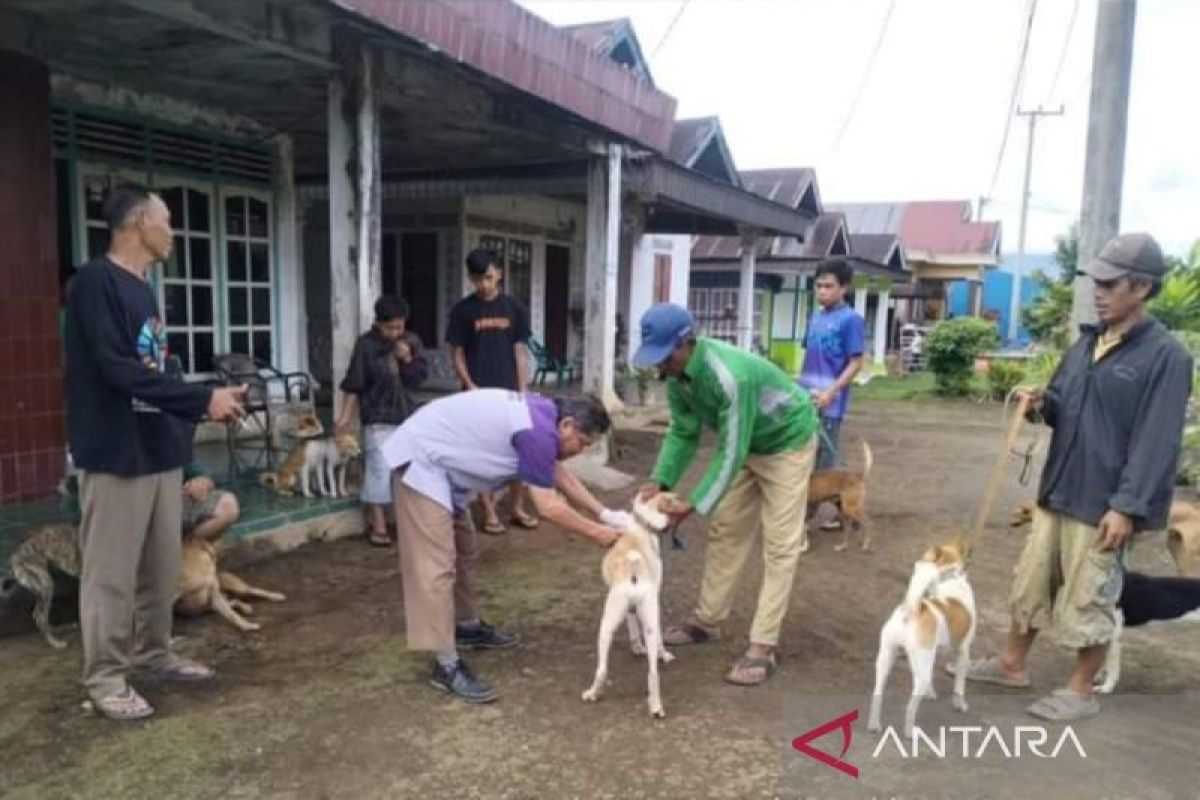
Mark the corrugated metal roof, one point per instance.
(605, 36)
(506, 42)
(786, 186)
(934, 229)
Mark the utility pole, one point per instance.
(1014, 304)
(1104, 169)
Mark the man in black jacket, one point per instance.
(129, 433)
(1117, 405)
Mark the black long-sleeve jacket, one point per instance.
(1118, 424)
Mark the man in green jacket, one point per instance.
(757, 478)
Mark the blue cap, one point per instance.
(663, 327)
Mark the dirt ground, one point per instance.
(325, 702)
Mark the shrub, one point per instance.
(1003, 377)
(951, 349)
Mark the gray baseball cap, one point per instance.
(1129, 253)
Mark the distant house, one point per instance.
(997, 292)
(942, 245)
(783, 269)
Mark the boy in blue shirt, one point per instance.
(833, 354)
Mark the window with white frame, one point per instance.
(187, 289)
(248, 277)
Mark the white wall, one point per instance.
(641, 287)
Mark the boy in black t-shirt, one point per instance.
(488, 332)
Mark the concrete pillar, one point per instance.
(881, 324)
(355, 197)
(289, 303)
(861, 290)
(600, 275)
(32, 439)
(745, 329)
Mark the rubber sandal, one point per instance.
(767, 665)
(181, 670)
(524, 521)
(494, 529)
(1064, 705)
(987, 670)
(379, 539)
(688, 633)
(124, 707)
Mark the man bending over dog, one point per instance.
(476, 442)
(758, 476)
(1116, 405)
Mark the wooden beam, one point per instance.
(186, 12)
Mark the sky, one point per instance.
(932, 106)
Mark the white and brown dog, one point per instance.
(938, 613)
(632, 570)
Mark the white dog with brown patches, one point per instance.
(633, 571)
(938, 613)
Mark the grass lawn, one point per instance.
(917, 386)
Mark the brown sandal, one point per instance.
(689, 633)
(746, 663)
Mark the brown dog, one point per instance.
(1183, 538)
(201, 586)
(846, 489)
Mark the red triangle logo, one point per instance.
(844, 723)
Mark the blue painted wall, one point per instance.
(997, 291)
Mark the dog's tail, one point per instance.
(868, 459)
(918, 586)
(637, 567)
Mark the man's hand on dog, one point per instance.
(621, 520)
(677, 509)
(198, 488)
(1114, 529)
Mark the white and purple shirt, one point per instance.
(476, 441)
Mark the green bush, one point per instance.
(1003, 377)
(951, 349)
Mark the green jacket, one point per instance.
(754, 407)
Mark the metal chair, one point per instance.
(269, 391)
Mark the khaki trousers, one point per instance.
(130, 545)
(770, 496)
(437, 558)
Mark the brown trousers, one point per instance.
(437, 557)
(130, 545)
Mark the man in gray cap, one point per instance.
(1116, 404)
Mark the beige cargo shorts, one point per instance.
(1064, 579)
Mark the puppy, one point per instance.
(938, 613)
(1183, 538)
(200, 584)
(326, 458)
(1147, 600)
(632, 570)
(847, 490)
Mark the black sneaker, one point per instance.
(461, 682)
(484, 637)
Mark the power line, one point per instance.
(1016, 93)
(858, 93)
(670, 28)
(1062, 56)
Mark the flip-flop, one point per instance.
(767, 665)
(524, 521)
(1064, 705)
(687, 633)
(181, 670)
(494, 528)
(988, 670)
(124, 707)
(379, 539)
